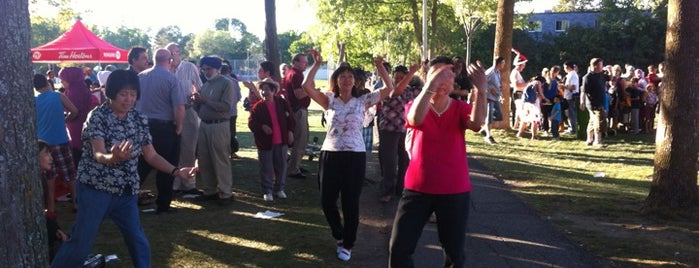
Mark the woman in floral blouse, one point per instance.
(113, 137)
(343, 158)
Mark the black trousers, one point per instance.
(341, 175)
(166, 143)
(394, 161)
(414, 209)
(235, 146)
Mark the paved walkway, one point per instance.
(502, 232)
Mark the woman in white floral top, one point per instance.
(343, 158)
(113, 137)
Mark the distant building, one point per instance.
(554, 23)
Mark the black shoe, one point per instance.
(212, 197)
(224, 201)
(193, 191)
(490, 140)
(297, 176)
(165, 211)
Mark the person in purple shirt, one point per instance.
(73, 80)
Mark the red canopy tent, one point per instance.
(78, 45)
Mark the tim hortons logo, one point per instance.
(63, 55)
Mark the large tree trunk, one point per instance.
(503, 46)
(23, 228)
(271, 39)
(675, 165)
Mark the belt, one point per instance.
(214, 121)
(160, 121)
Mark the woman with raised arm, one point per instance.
(342, 159)
(437, 178)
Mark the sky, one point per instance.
(190, 16)
(198, 16)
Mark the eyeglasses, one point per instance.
(206, 69)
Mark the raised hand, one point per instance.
(121, 151)
(477, 75)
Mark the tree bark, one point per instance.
(271, 38)
(674, 183)
(417, 26)
(23, 228)
(503, 46)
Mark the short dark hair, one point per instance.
(40, 81)
(269, 67)
(122, 79)
(134, 52)
(225, 69)
(440, 59)
(499, 59)
(401, 68)
(568, 64)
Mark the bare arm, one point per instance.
(480, 92)
(435, 79)
(387, 88)
(159, 163)
(309, 84)
(68, 105)
(179, 118)
(404, 82)
(583, 97)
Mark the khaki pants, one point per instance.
(300, 141)
(214, 167)
(188, 146)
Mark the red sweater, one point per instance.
(259, 115)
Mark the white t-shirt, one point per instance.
(571, 79)
(345, 122)
(516, 77)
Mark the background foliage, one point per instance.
(628, 31)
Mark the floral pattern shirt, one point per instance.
(345, 122)
(393, 111)
(122, 178)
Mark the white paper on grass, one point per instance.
(599, 175)
(268, 214)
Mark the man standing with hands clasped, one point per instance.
(213, 104)
(592, 98)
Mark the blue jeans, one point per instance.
(572, 114)
(414, 209)
(95, 206)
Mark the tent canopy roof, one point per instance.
(78, 45)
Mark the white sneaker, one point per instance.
(338, 244)
(281, 194)
(269, 197)
(344, 254)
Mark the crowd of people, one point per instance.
(178, 117)
(616, 102)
